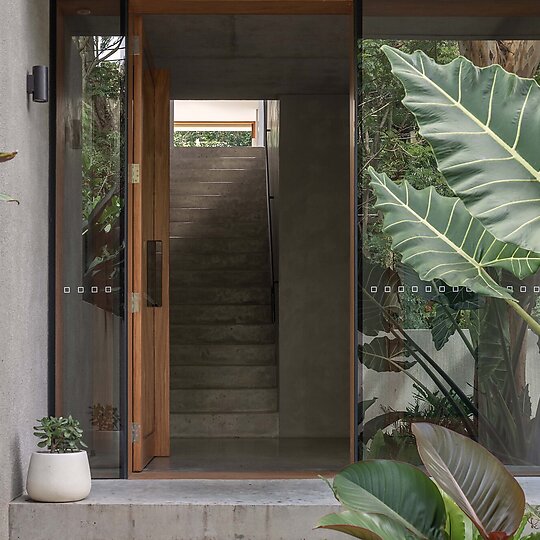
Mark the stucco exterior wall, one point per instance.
(24, 35)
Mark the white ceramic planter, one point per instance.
(58, 477)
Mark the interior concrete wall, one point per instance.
(24, 34)
(314, 266)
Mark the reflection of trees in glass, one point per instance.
(499, 412)
(103, 74)
(102, 119)
(212, 138)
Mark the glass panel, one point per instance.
(91, 244)
(433, 350)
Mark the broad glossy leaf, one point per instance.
(365, 526)
(380, 299)
(370, 428)
(443, 327)
(7, 198)
(458, 525)
(6, 156)
(484, 127)
(382, 354)
(476, 481)
(384, 488)
(441, 240)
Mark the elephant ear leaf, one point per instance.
(484, 127)
(489, 495)
(439, 239)
(365, 526)
(383, 488)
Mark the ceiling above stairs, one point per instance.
(251, 56)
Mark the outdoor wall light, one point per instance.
(37, 84)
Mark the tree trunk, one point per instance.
(519, 56)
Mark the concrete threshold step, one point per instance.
(222, 377)
(212, 355)
(182, 510)
(215, 246)
(219, 295)
(224, 400)
(218, 278)
(224, 425)
(219, 261)
(241, 314)
(222, 333)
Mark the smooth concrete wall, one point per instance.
(24, 34)
(314, 266)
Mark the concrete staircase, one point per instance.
(223, 370)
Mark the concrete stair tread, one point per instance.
(230, 245)
(252, 424)
(222, 333)
(223, 354)
(220, 278)
(226, 400)
(227, 314)
(222, 377)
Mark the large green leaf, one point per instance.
(441, 240)
(383, 354)
(6, 156)
(458, 525)
(484, 126)
(476, 481)
(365, 526)
(384, 488)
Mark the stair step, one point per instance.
(224, 425)
(217, 162)
(246, 191)
(218, 151)
(231, 314)
(219, 261)
(220, 295)
(223, 278)
(220, 215)
(181, 176)
(212, 355)
(217, 201)
(218, 377)
(224, 401)
(216, 246)
(215, 229)
(222, 333)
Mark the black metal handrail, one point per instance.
(269, 198)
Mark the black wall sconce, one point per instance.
(37, 84)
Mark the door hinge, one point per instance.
(135, 173)
(135, 432)
(135, 302)
(135, 45)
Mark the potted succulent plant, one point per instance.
(105, 420)
(60, 472)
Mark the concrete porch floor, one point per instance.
(181, 510)
(190, 510)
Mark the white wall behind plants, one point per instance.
(24, 42)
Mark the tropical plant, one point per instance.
(472, 496)
(59, 434)
(6, 156)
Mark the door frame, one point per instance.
(137, 8)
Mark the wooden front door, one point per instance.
(149, 241)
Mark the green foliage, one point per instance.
(387, 500)
(59, 434)
(212, 138)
